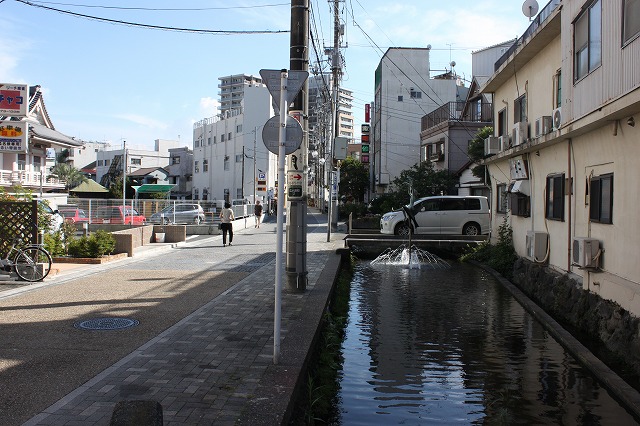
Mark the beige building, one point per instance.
(566, 101)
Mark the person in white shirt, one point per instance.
(226, 216)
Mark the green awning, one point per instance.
(153, 188)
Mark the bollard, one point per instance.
(137, 413)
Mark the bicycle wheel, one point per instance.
(32, 263)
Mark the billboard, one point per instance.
(13, 136)
(14, 99)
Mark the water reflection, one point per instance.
(453, 347)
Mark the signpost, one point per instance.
(284, 87)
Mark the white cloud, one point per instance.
(209, 106)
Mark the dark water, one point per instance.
(453, 347)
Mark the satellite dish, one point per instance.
(452, 63)
(530, 8)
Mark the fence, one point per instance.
(139, 211)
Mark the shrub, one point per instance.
(54, 244)
(358, 210)
(500, 256)
(97, 244)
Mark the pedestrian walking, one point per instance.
(258, 213)
(226, 216)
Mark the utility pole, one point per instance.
(296, 244)
(335, 111)
(124, 182)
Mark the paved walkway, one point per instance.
(203, 346)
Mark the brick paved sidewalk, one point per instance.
(215, 366)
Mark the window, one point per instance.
(22, 161)
(400, 98)
(209, 140)
(100, 163)
(226, 163)
(106, 162)
(205, 168)
(36, 163)
(195, 194)
(519, 204)
(214, 140)
(587, 41)
(601, 199)
(631, 20)
(205, 194)
(416, 95)
(229, 138)
(238, 158)
(175, 160)
(557, 83)
(136, 161)
(520, 109)
(222, 137)
(555, 197)
(501, 201)
(196, 167)
(239, 128)
(238, 192)
(502, 122)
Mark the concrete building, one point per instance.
(180, 171)
(230, 160)
(567, 98)
(109, 162)
(404, 92)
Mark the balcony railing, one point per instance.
(453, 111)
(29, 179)
(539, 19)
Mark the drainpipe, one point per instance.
(569, 221)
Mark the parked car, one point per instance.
(450, 215)
(118, 215)
(74, 215)
(179, 213)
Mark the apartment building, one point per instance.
(566, 101)
(404, 92)
(230, 160)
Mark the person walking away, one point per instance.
(258, 213)
(226, 216)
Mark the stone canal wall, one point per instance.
(602, 321)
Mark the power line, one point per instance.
(153, 9)
(153, 27)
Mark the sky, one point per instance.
(109, 81)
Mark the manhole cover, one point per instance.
(106, 323)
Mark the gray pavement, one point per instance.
(197, 333)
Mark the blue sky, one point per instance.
(112, 82)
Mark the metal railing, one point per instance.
(454, 111)
(28, 178)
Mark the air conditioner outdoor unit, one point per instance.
(492, 145)
(504, 142)
(520, 131)
(537, 244)
(557, 118)
(586, 252)
(543, 125)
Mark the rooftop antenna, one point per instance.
(530, 8)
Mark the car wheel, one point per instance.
(471, 229)
(403, 229)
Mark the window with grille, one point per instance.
(555, 197)
(601, 199)
(587, 40)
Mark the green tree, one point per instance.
(476, 152)
(69, 174)
(424, 180)
(354, 179)
(115, 188)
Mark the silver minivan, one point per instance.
(447, 214)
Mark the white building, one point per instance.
(230, 160)
(404, 92)
(109, 163)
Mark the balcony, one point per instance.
(455, 111)
(29, 179)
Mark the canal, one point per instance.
(452, 346)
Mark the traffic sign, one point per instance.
(295, 181)
(295, 80)
(271, 135)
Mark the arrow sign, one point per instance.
(297, 177)
(295, 80)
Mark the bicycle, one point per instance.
(31, 263)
